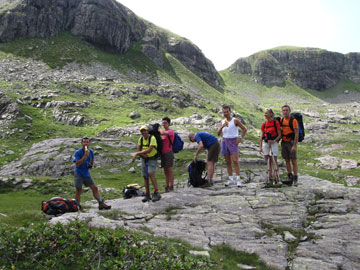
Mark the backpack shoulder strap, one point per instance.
(275, 126)
(291, 123)
(150, 136)
(281, 121)
(171, 142)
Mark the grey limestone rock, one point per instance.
(217, 215)
(105, 23)
(53, 158)
(306, 67)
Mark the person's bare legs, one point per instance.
(78, 192)
(210, 169)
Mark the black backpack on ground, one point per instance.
(154, 131)
(299, 118)
(133, 190)
(59, 205)
(196, 171)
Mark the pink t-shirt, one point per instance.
(166, 144)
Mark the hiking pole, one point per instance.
(268, 171)
(147, 184)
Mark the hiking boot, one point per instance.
(156, 196)
(228, 183)
(270, 180)
(289, 181)
(295, 181)
(81, 209)
(207, 184)
(238, 183)
(147, 198)
(276, 181)
(104, 206)
(171, 188)
(167, 189)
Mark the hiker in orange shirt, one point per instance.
(290, 137)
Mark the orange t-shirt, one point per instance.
(285, 128)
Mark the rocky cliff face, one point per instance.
(308, 68)
(104, 23)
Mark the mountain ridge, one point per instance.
(309, 68)
(106, 24)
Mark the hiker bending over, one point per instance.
(229, 128)
(84, 161)
(167, 157)
(212, 146)
(270, 136)
(146, 149)
(289, 141)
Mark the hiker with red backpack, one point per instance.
(147, 150)
(84, 161)
(167, 157)
(270, 136)
(290, 137)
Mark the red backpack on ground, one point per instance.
(59, 205)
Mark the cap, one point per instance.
(143, 127)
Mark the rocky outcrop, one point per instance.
(306, 67)
(105, 23)
(53, 157)
(9, 110)
(313, 226)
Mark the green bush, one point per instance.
(78, 246)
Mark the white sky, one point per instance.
(226, 30)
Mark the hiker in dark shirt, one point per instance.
(212, 146)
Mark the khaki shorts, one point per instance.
(213, 152)
(167, 160)
(286, 150)
(274, 149)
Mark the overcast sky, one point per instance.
(229, 29)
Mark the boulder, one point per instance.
(348, 164)
(134, 115)
(328, 162)
(352, 180)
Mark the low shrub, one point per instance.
(78, 246)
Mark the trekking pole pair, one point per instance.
(272, 168)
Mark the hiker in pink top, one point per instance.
(167, 155)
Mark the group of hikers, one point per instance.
(273, 130)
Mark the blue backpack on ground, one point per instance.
(178, 144)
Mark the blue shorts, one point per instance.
(79, 181)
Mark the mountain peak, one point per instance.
(105, 23)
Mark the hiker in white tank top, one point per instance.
(229, 128)
(230, 131)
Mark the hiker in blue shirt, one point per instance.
(84, 161)
(211, 144)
